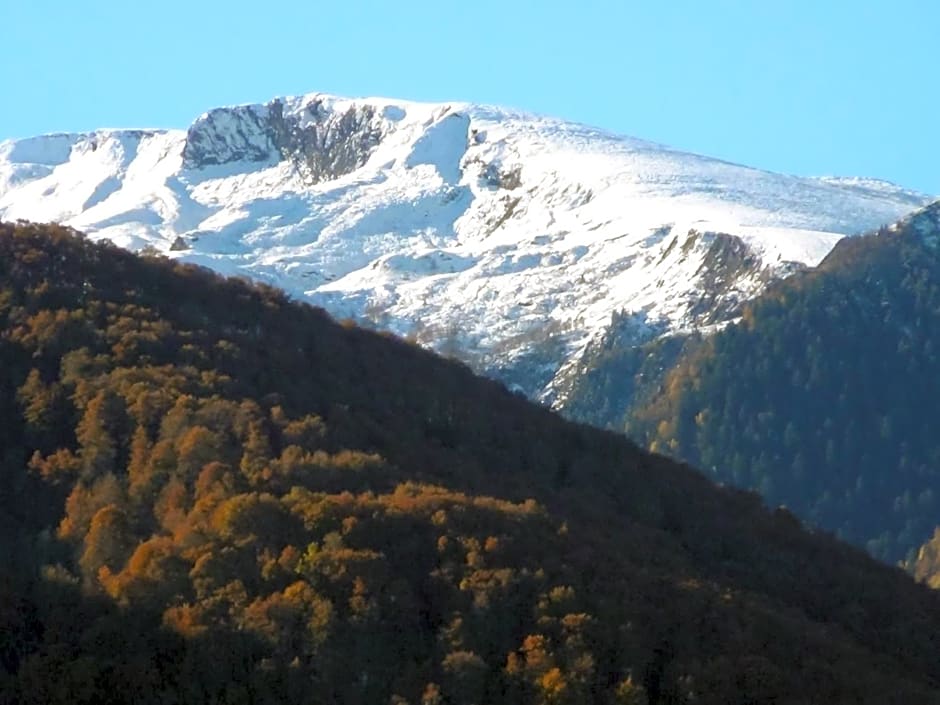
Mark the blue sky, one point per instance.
(823, 87)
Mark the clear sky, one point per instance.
(812, 87)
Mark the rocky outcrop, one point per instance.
(322, 143)
(730, 274)
(225, 135)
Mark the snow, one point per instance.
(510, 229)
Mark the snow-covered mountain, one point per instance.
(506, 238)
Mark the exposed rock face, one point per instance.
(321, 142)
(224, 135)
(179, 244)
(324, 144)
(729, 275)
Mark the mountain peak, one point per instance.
(507, 237)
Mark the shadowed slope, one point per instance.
(354, 517)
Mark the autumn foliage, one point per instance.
(212, 494)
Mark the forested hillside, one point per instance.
(825, 396)
(212, 494)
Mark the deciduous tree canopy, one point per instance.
(211, 494)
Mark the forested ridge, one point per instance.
(824, 396)
(212, 494)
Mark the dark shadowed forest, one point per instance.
(823, 397)
(211, 494)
